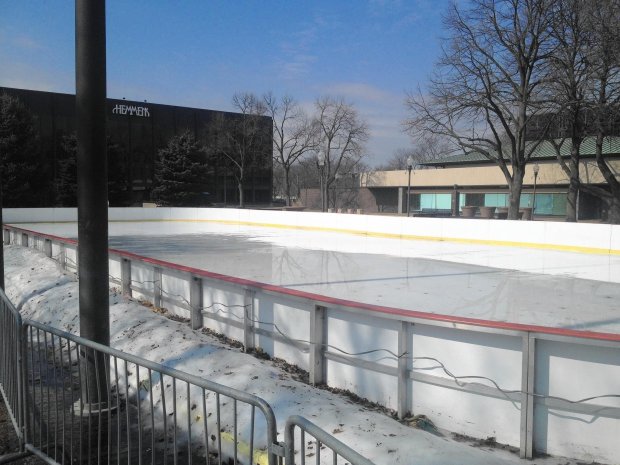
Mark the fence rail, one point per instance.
(124, 409)
(10, 361)
(324, 445)
(520, 372)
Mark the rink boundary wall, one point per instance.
(538, 367)
(572, 237)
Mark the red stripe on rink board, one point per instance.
(45, 235)
(350, 303)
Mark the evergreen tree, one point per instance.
(22, 185)
(119, 194)
(66, 174)
(180, 173)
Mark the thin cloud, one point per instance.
(25, 76)
(360, 91)
(27, 43)
(298, 54)
(295, 66)
(398, 14)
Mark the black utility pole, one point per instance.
(1, 232)
(90, 71)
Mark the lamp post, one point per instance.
(409, 168)
(536, 170)
(321, 162)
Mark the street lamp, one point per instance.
(409, 168)
(321, 162)
(536, 170)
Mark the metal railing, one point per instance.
(325, 448)
(10, 356)
(88, 403)
(73, 401)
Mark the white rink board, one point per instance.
(555, 288)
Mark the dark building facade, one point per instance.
(139, 130)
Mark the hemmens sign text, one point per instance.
(131, 110)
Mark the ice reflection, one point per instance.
(499, 283)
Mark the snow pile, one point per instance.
(42, 292)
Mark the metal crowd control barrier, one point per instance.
(141, 412)
(137, 411)
(324, 444)
(10, 355)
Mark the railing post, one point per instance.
(528, 386)
(248, 319)
(6, 236)
(24, 239)
(23, 375)
(195, 302)
(404, 336)
(318, 335)
(157, 287)
(62, 257)
(126, 277)
(47, 247)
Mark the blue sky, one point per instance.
(199, 53)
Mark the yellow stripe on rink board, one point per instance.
(260, 457)
(412, 237)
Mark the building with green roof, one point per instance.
(447, 185)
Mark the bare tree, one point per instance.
(485, 88)
(425, 149)
(346, 185)
(604, 21)
(341, 136)
(293, 136)
(398, 160)
(241, 138)
(569, 68)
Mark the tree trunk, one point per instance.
(613, 210)
(326, 195)
(241, 200)
(515, 193)
(572, 197)
(287, 185)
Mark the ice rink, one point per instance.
(500, 283)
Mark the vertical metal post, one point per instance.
(322, 190)
(536, 169)
(248, 319)
(195, 302)
(90, 73)
(126, 277)
(4, 237)
(157, 287)
(23, 344)
(62, 256)
(317, 345)
(528, 386)
(409, 191)
(404, 335)
(47, 247)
